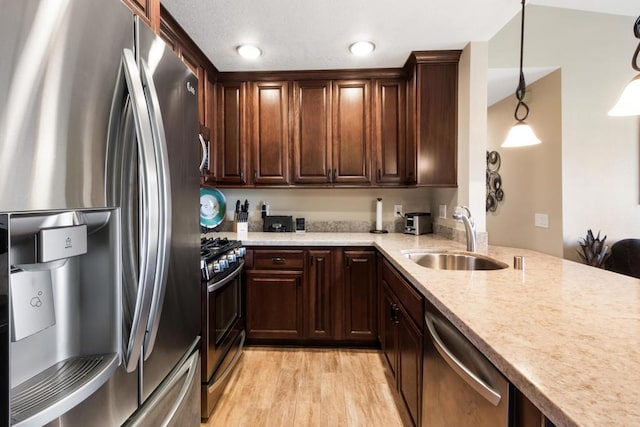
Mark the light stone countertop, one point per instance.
(566, 334)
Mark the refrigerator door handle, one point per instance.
(149, 220)
(187, 370)
(164, 211)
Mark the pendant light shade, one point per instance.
(521, 134)
(629, 102)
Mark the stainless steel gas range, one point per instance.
(223, 334)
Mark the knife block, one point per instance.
(241, 222)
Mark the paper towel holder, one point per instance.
(379, 218)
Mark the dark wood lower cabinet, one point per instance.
(360, 296)
(318, 299)
(401, 340)
(319, 296)
(274, 301)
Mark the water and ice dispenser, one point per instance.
(62, 284)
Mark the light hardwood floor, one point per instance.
(307, 387)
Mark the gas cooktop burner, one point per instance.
(219, 257)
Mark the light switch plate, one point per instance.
(397, 211)
(443, 211)
(542, 220)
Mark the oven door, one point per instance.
(223, 315)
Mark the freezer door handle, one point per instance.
(148, 213)
(459, 368)
(163, 192)
(187, 372)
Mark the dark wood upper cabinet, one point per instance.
(434, 120)
(270, 132)
(351, 132)
(389, 106)
(311, 126)
(147, 10)
(231, 133)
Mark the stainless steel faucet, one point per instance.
(460, 215)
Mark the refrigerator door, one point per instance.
(4, 317)
(59, 68)
(172, 403)
(174, 321)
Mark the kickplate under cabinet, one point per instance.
(57, 384)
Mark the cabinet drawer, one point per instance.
(408, 297)
(278, 259)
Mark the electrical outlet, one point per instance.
(443, 211)
(397, 211)
(542, 220)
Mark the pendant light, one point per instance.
(521, 133)
(629, 102)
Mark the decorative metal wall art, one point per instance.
(495, 193)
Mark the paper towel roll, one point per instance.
(379, 214)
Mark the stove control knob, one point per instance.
(232, 257)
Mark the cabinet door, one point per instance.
(436, 128)
(388, 316)
(270, 132)
(147, 10)
(390, 131)
(351, 132)
(410, 364)
(312, 132)
(230, 130)
(318, 304)
(274, 304)
(360, 296)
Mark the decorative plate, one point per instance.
(213, 207)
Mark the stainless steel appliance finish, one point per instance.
(58, 74)
(223, 332)
(417, 223)
(75, 348)
(460, 386)
(99, 115)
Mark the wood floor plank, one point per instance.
(303, 387)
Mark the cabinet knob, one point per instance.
(278, 260)
(255, 175)
(335, 174)
(329, 175)
(379, 174)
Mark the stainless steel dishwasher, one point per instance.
(460, 386)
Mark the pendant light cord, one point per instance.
(636, 32)
(522, 86)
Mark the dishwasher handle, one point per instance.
(459, 368)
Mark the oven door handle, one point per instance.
(217, 285)
(233, 362)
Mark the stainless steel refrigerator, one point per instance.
(99, 236)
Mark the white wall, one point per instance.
(600, 172)
(531, 176)
(472, 139)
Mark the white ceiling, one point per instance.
(315, 35)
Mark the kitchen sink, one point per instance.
(454, 260)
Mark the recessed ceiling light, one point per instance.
(362, 48)
(249, 51)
